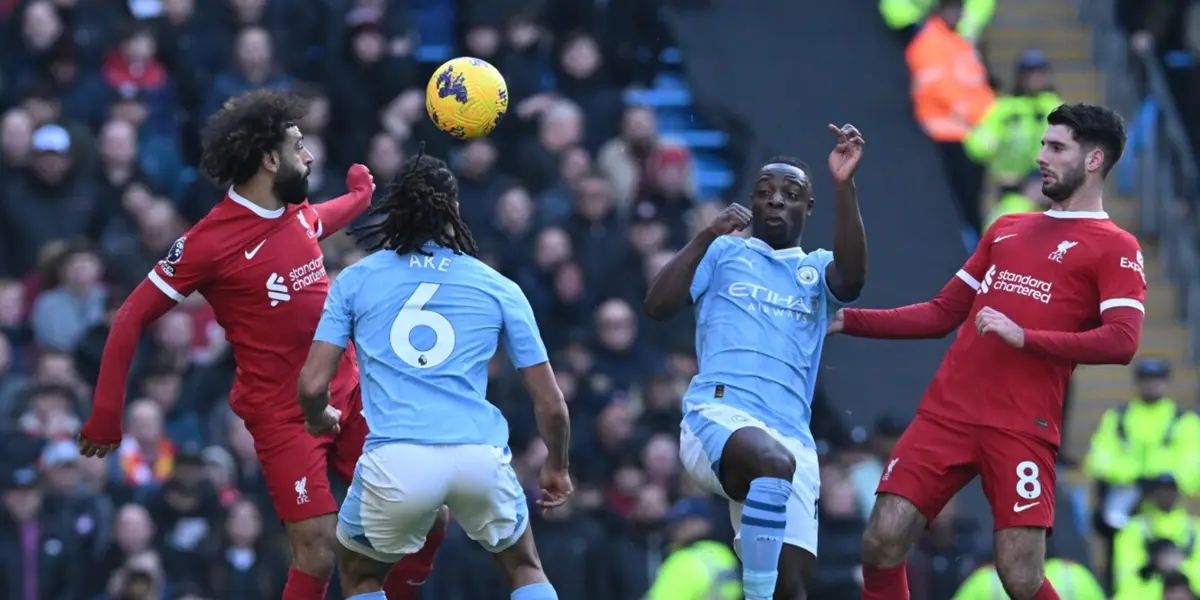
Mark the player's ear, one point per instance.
(812, 201)
(1095, 159)
(271, 161)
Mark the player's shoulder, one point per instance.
(1111, 234)
(726, 243)
(1013, 222)
(485, 272)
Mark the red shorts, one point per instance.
(296, 465)
(936, 457)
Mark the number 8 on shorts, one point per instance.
(1028, 486)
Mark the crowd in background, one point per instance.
(576, 197)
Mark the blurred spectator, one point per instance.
(905, 16)
(945, 555)
(1026, 197)
(838, 572)
(244, 567)
(40, 553)
(695, 567)
(1156, 544)
(951, 95)
(51, 201)
(1145, 437)
(866, 473)
(146, 455)
(1008, 139)
(73, 301)
(984, 583)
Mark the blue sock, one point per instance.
(369, 596)
(764, 517)
(537, 591)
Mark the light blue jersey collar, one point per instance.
(761, 246)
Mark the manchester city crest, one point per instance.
(807, 275)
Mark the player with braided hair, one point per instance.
(420, 207)
(428, 316)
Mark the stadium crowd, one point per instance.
(576, 197)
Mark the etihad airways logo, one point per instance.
(764, 300)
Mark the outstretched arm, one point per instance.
(924, 320)
(102, 431)
(180, 273)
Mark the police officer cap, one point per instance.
(1153, 367)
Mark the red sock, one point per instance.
(1046, 592)
(889, 583)
(302, 586)
(406, 578)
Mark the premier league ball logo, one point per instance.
(174, 255)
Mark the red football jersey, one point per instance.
(263, 273)
(1055, 271)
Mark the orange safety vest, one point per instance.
(950, 90)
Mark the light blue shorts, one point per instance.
(399, 488)
(708, 427)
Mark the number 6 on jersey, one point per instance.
(413, 315)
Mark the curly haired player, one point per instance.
(256, 258)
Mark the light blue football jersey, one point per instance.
(761, 317)
(425, 328)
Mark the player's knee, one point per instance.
(775, 462)
(1021, 578)
(789, 589)
(1021, 583)
(314, 547)
(882, 547)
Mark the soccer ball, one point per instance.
(466, 97)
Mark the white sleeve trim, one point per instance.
(967, 279)
(1122, 302)
(164, 287)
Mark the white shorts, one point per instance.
(706, 429)
(399, 488)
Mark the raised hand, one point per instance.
(359, 180)
(843, 161)
(735, 217)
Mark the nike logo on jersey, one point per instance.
(250, 253)
(1024, 507)
(1004, 237)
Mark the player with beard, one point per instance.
(1042, 293)
(256, 258)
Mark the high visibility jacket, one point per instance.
(950, 90)
(1012, 202)
(701, 571)
(1130, 552)
(1009, 137)
(1141, 439)
(899, 14)
(1071, 580)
